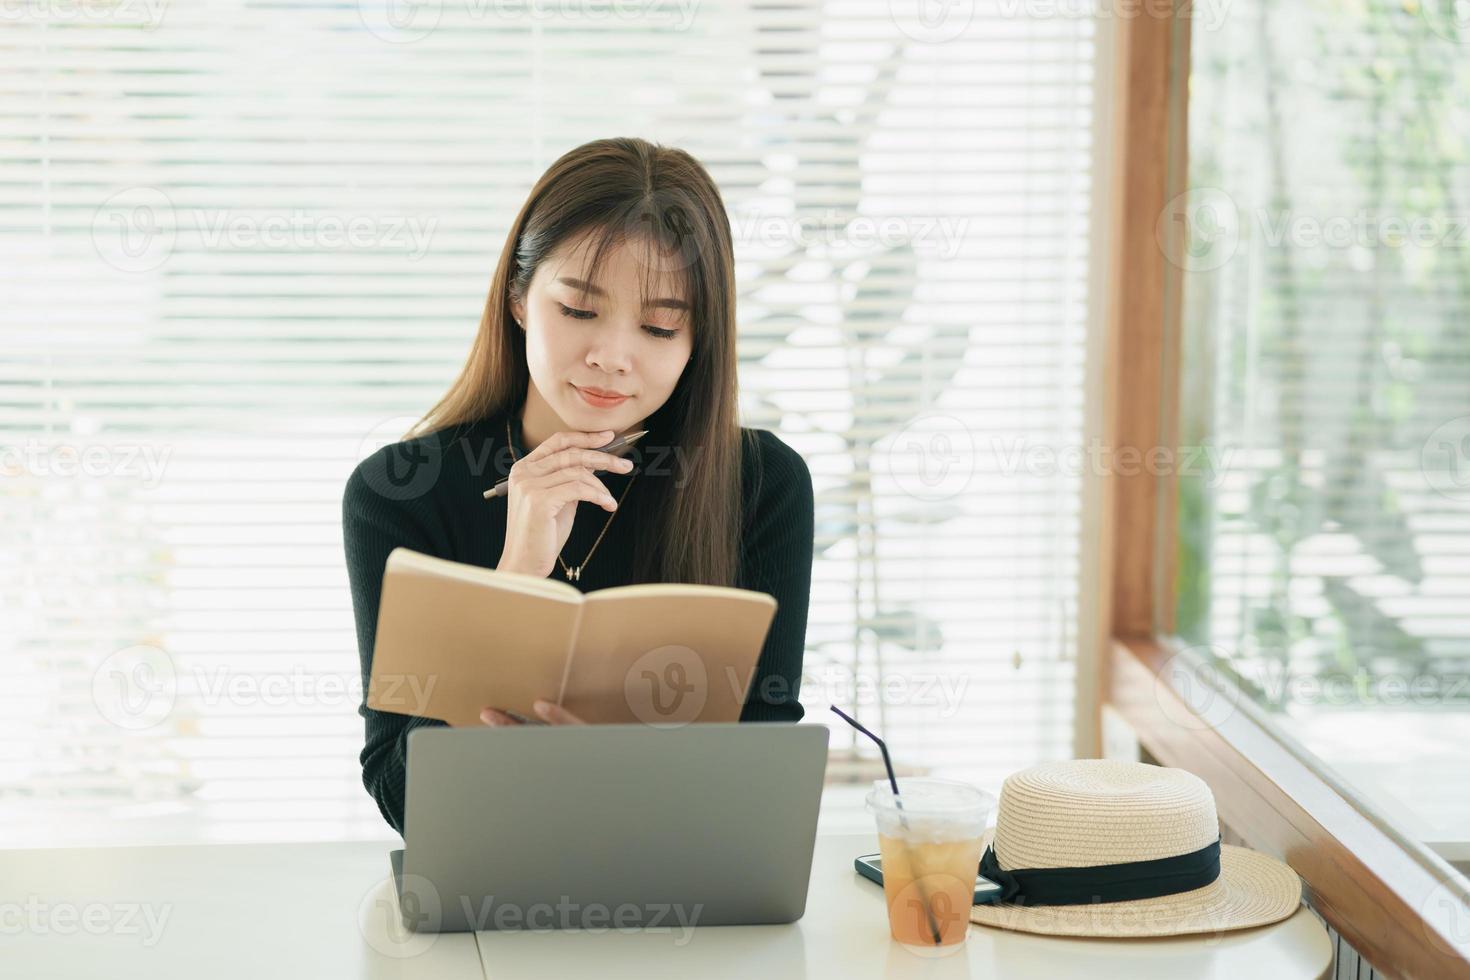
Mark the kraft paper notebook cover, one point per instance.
(454, 637)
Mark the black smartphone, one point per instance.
(870, 866)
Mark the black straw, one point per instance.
(893, 782)
(887, 763)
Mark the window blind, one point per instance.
(1326, 563)
(246, 245)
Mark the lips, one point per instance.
(602, 392)
(589, 397)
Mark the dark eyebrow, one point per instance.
(587, 287)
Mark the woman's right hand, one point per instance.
(546, 714)
(541, 501)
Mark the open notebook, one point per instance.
(454, 637)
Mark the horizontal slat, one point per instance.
(265, 369)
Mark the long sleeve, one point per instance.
(428, 496)
(777, 559)
(373, 524)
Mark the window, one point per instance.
(247, 246)
(1324, 541)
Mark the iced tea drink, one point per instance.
(929, 837)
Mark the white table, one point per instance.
(844, 934)
(219, 911)
(326, 911)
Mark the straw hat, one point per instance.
(1089, 815)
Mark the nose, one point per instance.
(610, 352)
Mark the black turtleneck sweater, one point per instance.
(426, 494)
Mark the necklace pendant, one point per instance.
(574, 574)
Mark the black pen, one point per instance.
(501, 487)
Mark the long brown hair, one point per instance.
(662, 198)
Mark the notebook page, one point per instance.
(666, 654)
(451, 640)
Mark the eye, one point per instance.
(576, 314)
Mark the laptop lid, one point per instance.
(610, 825)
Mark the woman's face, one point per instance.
(611, 338)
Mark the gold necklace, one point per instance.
(574, 574)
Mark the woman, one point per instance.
(617, 277)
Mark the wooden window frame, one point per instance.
(1398, 904)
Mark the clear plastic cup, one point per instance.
(929, 836)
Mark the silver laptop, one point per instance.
(607, 826)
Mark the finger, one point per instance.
(540, 487)
(494, 717)
(570, 440)
(581, 487)
(521, 719)
(566, 477)
(584, 459)
(555, 714)
(555, 491)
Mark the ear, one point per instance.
(518, 311)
